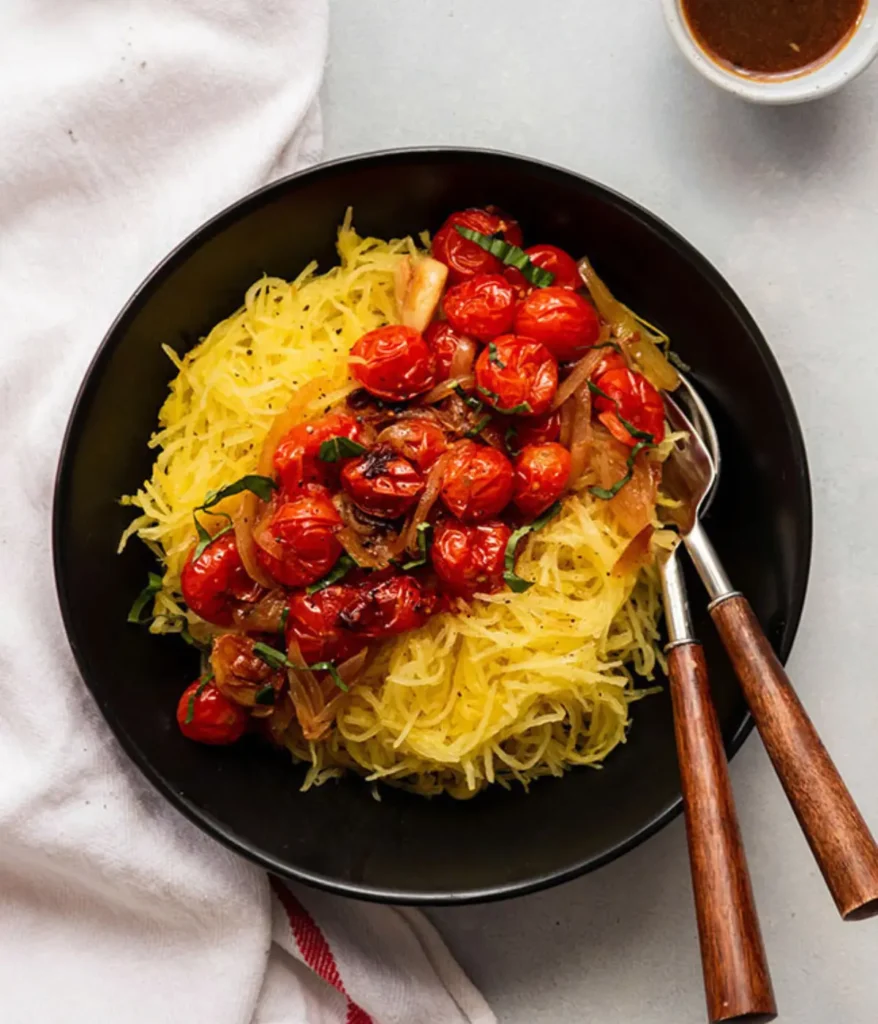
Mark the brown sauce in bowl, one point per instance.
(772, 37)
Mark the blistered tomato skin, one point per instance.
(393, 363)
(297, 457)
(631, 397)
(215, 584)
(515, 372)
(551, 258)
(444, 341)
(314, 623)
(465, 258)
(470, 558)
(482, 307)
(303, 532)
(387, 608)
(215, 719)
(559, 318)
(382, 483)
(477, 482)
(419, 440)
(541, 474)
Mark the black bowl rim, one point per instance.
(241, 206)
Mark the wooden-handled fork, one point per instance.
(841, 841)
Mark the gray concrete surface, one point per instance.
(785, 203)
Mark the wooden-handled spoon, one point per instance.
(737, 983)
(841, 841)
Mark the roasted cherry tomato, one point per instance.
(611, 360)
(382, 482)
(387, 608)
(551, 258)
(533, 430)
(470, 558)
(444, 340)
(205, 715)
(562, 320)
(481, 307)
(420, 440)
(302, 533)
(297, 457)
(465, 258)
(477, 482)
(313, 622)
(630, 397)
(515, 373)
(541, 473)
(394, 363)
(215, 584)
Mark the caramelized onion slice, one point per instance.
(637, 554)
(581, 434)
(577, 376)
(448, 387)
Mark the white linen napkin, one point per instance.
(124, 125)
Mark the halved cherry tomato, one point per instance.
(630, 397)
(418, 439)
(477, 482)
(551, 258)
(215, 584)
(481, 307)
(465, 258)
(394, 363)
(562, 320)
(382, 482)
(533, 430)
(313, 622)
(470, 558)
(303, 532)
(387, 608)
(214, 719)
(514, 372)
(444, 340)
(541, 473)
(297, 457)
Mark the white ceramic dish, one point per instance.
(852, 58)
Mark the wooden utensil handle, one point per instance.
(839, 837)
(736, 979)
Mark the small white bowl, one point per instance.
(853, 57)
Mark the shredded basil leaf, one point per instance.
(509, 254)
(272, 656)
(284, 615)
(494, 356)
(606, 493)
(261, 486)
(143, 598)
(265, 695)
(515, 582)
(510, 436)
(327, 666)
(205, 538)
(522, 407)
(190, 707)
(423, 532)
(478, 428)
(470, 400)
(595, 390)
(337, 448)
(341, 568)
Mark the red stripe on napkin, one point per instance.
(315, 949)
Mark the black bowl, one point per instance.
(406, 848)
